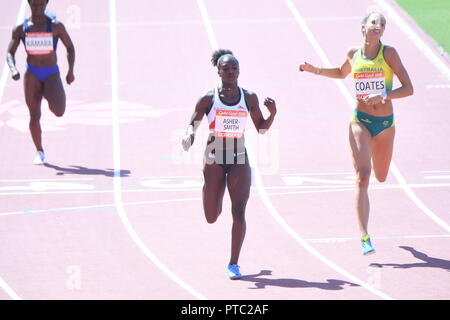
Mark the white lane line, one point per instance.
(408, 190)
(143, 24)
(303, 242)
(117, 165)
(350, 100)
(8, 290)
(437, 177)
(137, 203)
(43, 180)
(264, 197)
(208, 25)
(319, 174)
(297, 189)
(3, 80)
(438, 86)
(341, 240)
(97, 206)
(334, 18)
(412, 35)
(6, 72)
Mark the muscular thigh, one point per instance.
(54, 92)
(33, 89)
(239, 181)
(360, 144)
(214, 184)
(382, 149)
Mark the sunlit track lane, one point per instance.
(83, 253)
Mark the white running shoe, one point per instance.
(40, 158)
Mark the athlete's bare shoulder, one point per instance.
(208, 96)
(205, 102)
(251, 98)
(389, 50)
(249, 93)
(391, 56)
(58, 26)
(17, 31)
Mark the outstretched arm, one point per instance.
(12, 48)
(335, 73)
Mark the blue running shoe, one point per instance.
(367, 247)
(233, 272)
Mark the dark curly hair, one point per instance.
(217, 54)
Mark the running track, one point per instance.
(117, 214)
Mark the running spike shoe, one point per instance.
(367, 247)
(40, 158)
(233, 272)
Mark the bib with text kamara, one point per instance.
(230, 123)
(38, 43)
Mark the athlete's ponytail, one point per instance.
(217, 54)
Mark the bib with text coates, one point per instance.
(371, 76)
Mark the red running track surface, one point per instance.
(117, 212)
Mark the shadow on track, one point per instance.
(428, 262)
(86, 171)
(261, 283)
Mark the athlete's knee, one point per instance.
(58, 111)
(35, 117)
(212, 216)
(381, 177)
(238, 209)
(363, 178)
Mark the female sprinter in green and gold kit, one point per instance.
(372, 127)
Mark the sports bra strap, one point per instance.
(26, 25)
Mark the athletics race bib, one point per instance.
(369, 83)
(38, 43)
(230, 123)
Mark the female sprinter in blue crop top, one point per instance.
(40, 35)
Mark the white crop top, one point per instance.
(228, 121)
